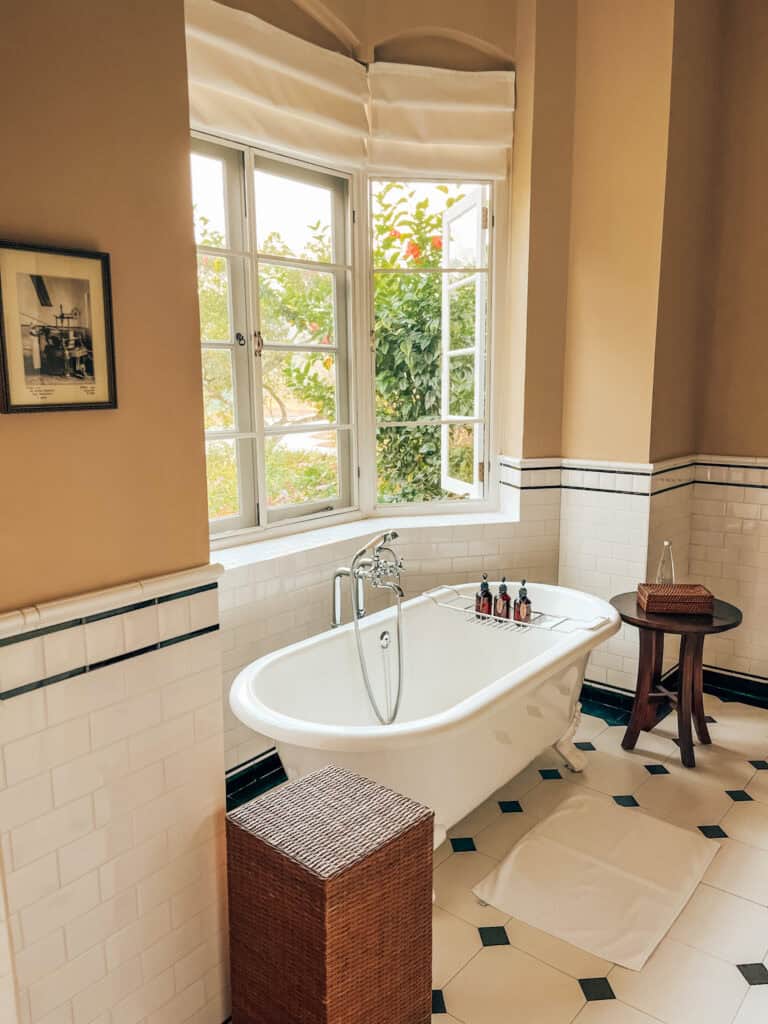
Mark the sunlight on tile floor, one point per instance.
(711, 968)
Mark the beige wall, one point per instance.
(551, 169)
(623, 67)
(734, 411)
(687, 265)
(95, 155)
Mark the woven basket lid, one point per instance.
(329, 820)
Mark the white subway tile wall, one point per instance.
(113, 907)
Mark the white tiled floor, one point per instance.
(693, 977)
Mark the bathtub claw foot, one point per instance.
(574, 758)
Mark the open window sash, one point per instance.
(463, 344)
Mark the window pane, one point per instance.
(293, 218)
(208, 200)
(213, 296)
(297, 306)
(461, 452)
(223, 488)
(462, 308)
(302, 468)
(299, 387)
(466, 230)
(408, 464)
(461, 386)
(218, 389)
(411, 222)
(407, 321)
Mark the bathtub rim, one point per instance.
(253, 712)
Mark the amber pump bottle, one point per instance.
(523, 605)
(484, 598)
(503, 602)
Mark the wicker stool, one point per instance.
(330, 904)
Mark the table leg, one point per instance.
(648, 675)
(688, 645)
(699, 716)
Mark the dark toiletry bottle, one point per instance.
(483, 598)
(523, 605)
(501, 606)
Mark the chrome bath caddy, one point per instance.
(464, 605)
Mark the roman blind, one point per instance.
(255, 83)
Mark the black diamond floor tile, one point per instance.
(550, 773)
(656, 769)
(762, 766)
(510, 806)
(626, 800)
(739, 796)
(710, 719)
(754, 974)
(584, 745)
(495, 935)
(713, 832)
(463, 844)
(596, 988)
(438, 1001)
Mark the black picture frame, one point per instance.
(95, 334)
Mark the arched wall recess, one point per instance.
(331, 22)
(437, 46)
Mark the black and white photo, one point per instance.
(56, 348)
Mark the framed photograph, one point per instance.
(56, 341)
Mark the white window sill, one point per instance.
(263, 550)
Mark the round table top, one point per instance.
(726, 616)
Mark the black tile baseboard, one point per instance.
(254, 777)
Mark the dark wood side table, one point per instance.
(651, 697)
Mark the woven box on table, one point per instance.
(675, 598)
(330, 904)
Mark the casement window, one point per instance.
(430, 244)
(274, 267)
(284, 311)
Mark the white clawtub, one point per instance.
(479, 701)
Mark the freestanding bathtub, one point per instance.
(479, 701)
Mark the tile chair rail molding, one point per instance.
(112, 801)
(55, 641)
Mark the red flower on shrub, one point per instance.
(394, 233)
(437, 242)
(313, 326)
(413, 250)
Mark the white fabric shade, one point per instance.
(258, 84)
(456, 123)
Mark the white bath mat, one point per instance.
(605, 878)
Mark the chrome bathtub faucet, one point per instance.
(382, 568)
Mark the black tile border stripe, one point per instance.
(255, 777)
(729, 686)
(57, 627)
(38, 684)
(673, 487)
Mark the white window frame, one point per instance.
(361, 356)
(256, 516)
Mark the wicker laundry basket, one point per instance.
(330, 904)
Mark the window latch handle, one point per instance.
(240, 338)
(258, 343)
